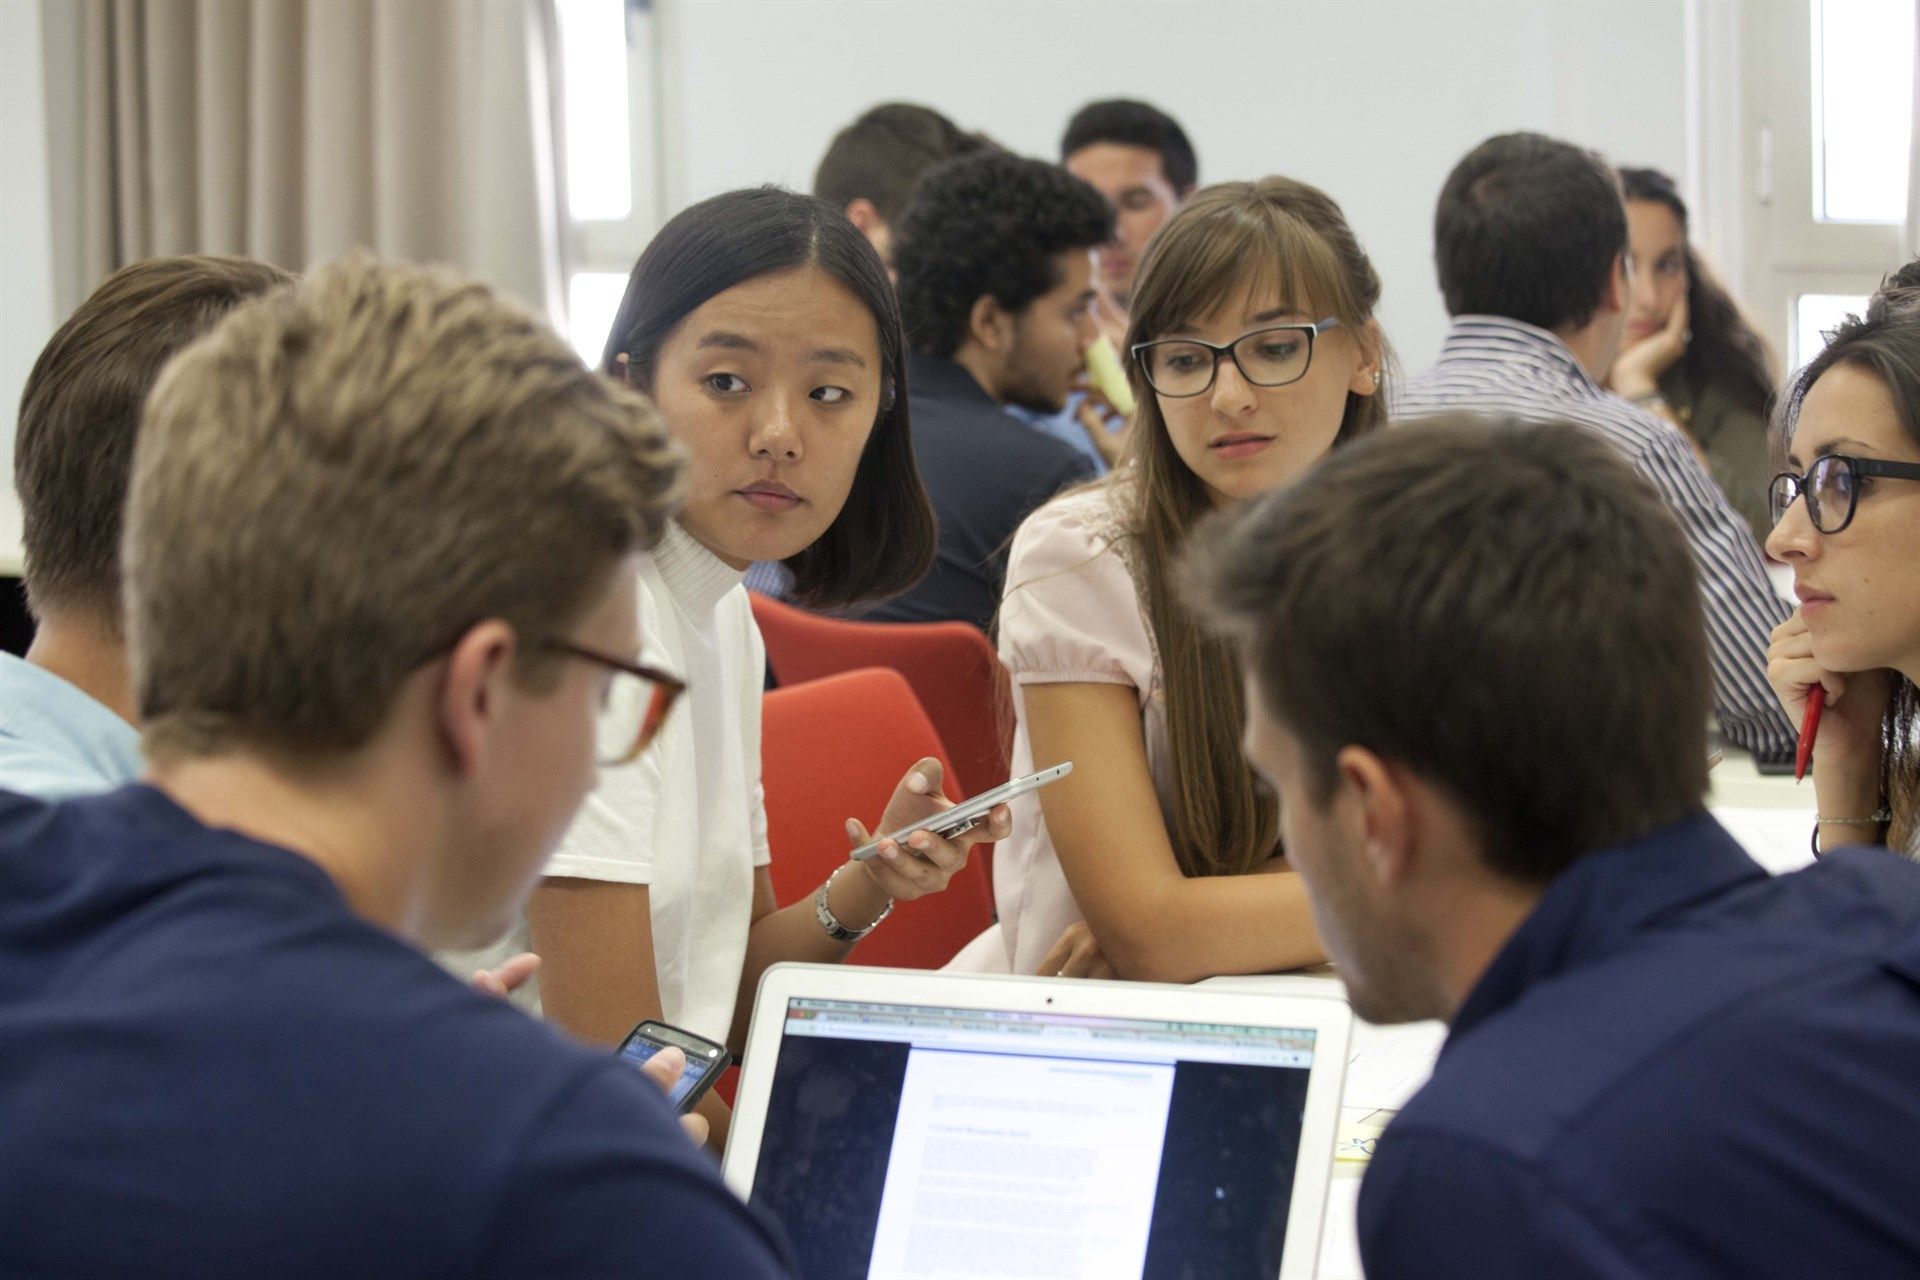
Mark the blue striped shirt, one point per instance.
(1493, 364)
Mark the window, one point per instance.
(1862, 109)
(593, 298)
(1827, 100)
(605, 64)
(593, 55)
(1814, 316)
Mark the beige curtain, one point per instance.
(297, 130)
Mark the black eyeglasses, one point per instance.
(636, 703)
(1831, 487)
(1182, 367)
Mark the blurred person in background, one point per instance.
(1688, 353)
(872, 164)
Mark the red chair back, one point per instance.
(951, 667)
(835, 749)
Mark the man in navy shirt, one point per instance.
(1478, 683)
(380, 578)
(995, 261)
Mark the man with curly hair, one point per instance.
(995, 260)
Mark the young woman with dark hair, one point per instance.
(1255, 351)
(764, 328)
(1849, 524)
(1688, 353)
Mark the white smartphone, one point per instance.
(963, 817)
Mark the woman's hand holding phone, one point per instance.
(925, 862)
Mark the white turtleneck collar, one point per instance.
(697, 578)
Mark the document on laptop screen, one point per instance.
(904, 1143)
(1064, 1153)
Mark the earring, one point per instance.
(1376, 377)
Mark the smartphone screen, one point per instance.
(967, 812)
(703, 1060)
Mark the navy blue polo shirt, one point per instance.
(985, 471)
(1678, 1066)
(210, 1067)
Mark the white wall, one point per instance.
(27, 316)
(1373, 101)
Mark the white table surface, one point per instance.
(1770, 816)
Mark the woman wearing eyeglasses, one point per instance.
(1847, 518)
(1254, 351)
(764, 328)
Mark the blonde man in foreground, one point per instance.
(380, 558)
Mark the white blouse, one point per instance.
(686, 819)
(1071, 615)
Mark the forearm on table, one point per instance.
(1152, 921)
(1188, 928)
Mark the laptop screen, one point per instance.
(912, 1141)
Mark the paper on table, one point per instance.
(1339, 1238)
(1389, 1064)
(1777, 838)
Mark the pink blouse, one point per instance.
(1071, 615)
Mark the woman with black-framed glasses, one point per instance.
(1270, 356)
(1254, 352)
(1847, 519)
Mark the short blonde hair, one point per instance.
(342, 478)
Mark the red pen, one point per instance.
(1809, 726)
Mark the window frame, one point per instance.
(1788, 252)
(611, 245)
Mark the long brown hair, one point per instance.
(1884, 342)
(1226, 237)
(1725, 349)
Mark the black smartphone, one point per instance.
(706, 1060)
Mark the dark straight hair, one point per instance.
(1528, 227)
(1724, 350)
(881, 155)
(883, 540)
(1131, 123)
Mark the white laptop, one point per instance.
(905, 1125)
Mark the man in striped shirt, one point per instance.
(1530, 240)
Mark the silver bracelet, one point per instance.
(831, 923)
(1875, 820)
(1872, 820)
